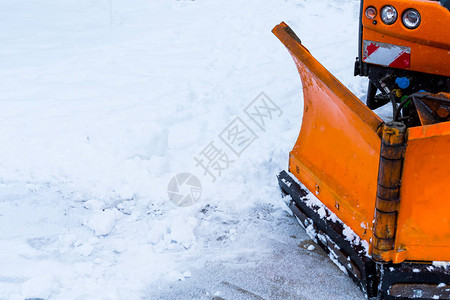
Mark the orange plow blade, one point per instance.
(383, 213)
(337, 152)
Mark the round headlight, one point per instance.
(411, 18)
(371, 12)
(388, 15)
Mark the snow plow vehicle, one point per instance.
(373, 193)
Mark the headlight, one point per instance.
(388, 15)
(371, 12)
(411, 18)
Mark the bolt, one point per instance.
(443, 112)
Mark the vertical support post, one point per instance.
(388, 191)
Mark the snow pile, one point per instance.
(103, 102)
(103, 222)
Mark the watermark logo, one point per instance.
(184, 189)
(218, 155)
(261, 110)
(238, 136)
(213, 161)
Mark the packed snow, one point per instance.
(442, 264)
(104, 102)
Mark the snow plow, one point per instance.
(373, 193)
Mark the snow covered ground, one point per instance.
(103, 102)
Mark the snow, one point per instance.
(41, 286)
(103, 102)
(333, 257)
(442, 264)
(103, 222)
(311, 248)
(288, 184)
